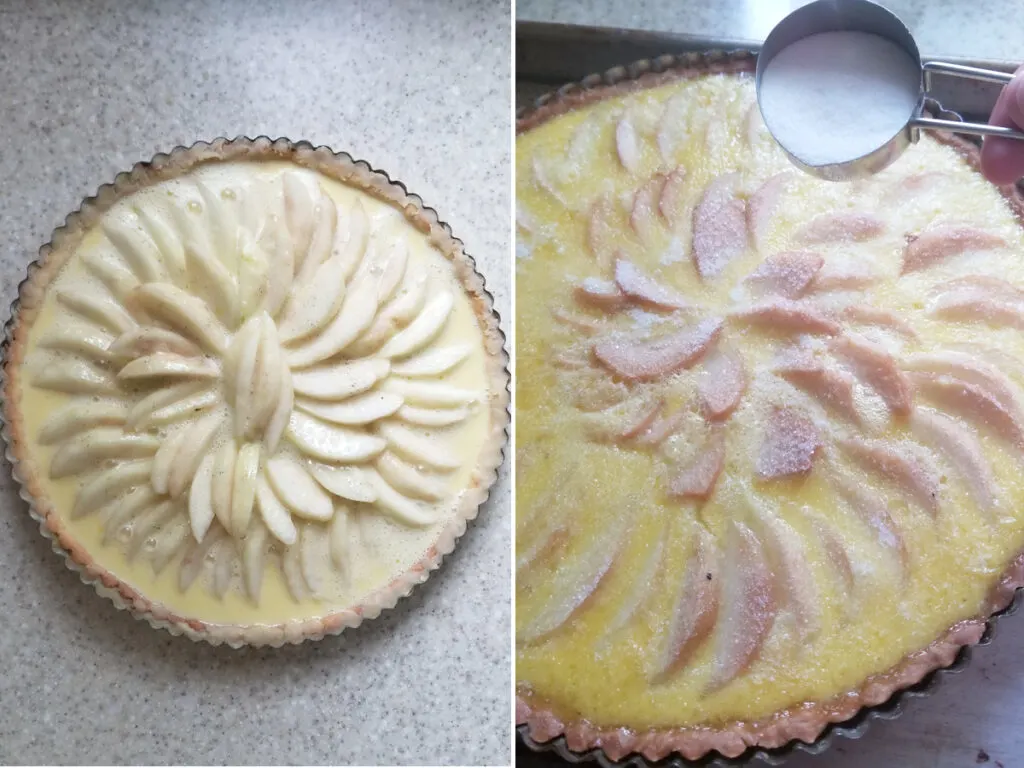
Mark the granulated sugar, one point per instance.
(837, 96)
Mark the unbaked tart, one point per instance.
(770, 429)
(254, 391)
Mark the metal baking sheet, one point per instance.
(550, 55)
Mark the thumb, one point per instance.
(1002, 160)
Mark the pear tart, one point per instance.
(254, 391)
(770, 429)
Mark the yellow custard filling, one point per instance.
(861, 397)
(341, 500)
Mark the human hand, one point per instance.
(1002, 160)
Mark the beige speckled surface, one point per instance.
(89, 88)
(974, 717)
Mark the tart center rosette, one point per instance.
(250, 371)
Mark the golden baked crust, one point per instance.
(805, 721)
(337, 166)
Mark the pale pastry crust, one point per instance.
(337, 166)
(806, 721)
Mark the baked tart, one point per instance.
(254, 391)
(770, 429)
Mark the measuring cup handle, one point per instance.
(960, 70)
(956, 126)
(971, 73)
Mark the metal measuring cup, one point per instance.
(866, 16)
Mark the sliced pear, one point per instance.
(787, 558)
(748, 607)
(421, 330)
(409, 480)
(223, 224)
(695, 607)
(352, 245)
(961, 448)
(88, 450)
(253, 266)
(340, 381)
(164, 460)
(82, 340)
(282, 412)
(280, 271)
(161, 398)
(299, 207)
(262, 204)
(310, 556)
(991, 400)
(395, 315)
(137, 249)
(187, 459)
(149, 523)
(196, 557)
(627, 144)
(170, 543)
(639, 591)
(361, 409)
(274, 513)
(321, 241)
(332, 443)
(75, 377)
(392, 270)
(125, 509)
(912, 471)
(200, 498)
(223, 474)
(232, 357)
(254, 555)
(184, 313)
(150, 339)
(577, 578)
(270, 370)
(291, 567)
(184, 408)
(417, 448)
(243, 487)
(314, 303)
(352, 483)
(119, 281)
(431, 417)
(217, 283)
(299, 492)
(166, 365)
(244, 383)
(78, 417)
(223, 567)
(432, 393)
(339, 537)
(356, 313)
(433, 362)
(172, 252)
(400, 507)
(109, 484)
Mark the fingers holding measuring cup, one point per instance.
(1002, 160)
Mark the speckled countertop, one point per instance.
(89, 88)
(974, 717)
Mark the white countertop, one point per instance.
(973, 718)
(90, 88)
